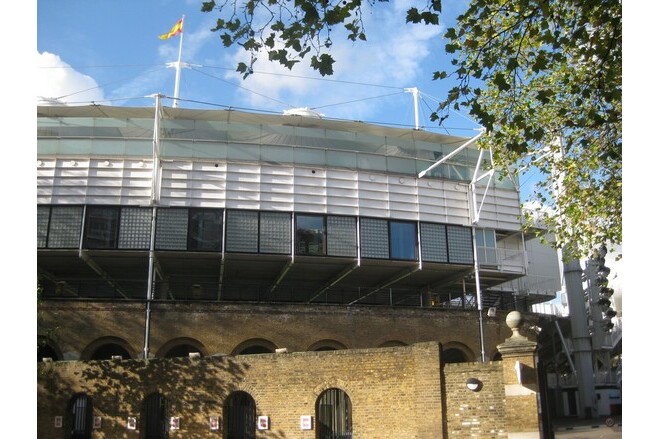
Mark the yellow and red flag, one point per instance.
(175, 30)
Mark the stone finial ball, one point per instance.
(514, 319)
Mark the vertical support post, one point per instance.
(177, 82)
(155, 198)
(521, 382)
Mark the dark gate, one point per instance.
(240, 416)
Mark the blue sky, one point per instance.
(109, 52)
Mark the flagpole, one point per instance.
(178, 67)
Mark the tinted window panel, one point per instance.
(205, 230)
(403, 240)
(102, 226)
(310, 235)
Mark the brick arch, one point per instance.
(181, 341)
(326, 345)
(91, 348)
(48, 348)
(232, 388)
(333, 384)
(254, 343)
(457, 348)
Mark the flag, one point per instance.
(175, 30)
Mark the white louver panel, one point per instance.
(500, 209)
(373, 195)
(277, 188)
(403, 200)
(342, 192)
(310, 190)
(271, 187)
(93, 181)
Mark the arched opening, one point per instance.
(454, 355)
(240, 416)
(255, 350)
(45, 350)
(154, 416)
(255, 346)
(333, 415)
(81, 416)
(182, 350)
(326, 345)
(105, 348)
(109, 350)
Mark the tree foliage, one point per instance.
(544, 78)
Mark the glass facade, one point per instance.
(400, 153)
(202, 230)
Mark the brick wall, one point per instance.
(395, 392)
(220, 328)
(472, 414)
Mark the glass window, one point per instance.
(242, 231)
(402, 238)
(135, 228)
(102, 227)
(333, 415)
(240, 416)
(275, 232)
(374, 235)
(205, 229)
(460, 247)
(172, 229)
(486, 243)
(342, 236)
(43, 215)
(65, 227)
(433, 242)
(310, 235)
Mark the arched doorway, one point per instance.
(81, 416)
(333, 415)
(240, 416)
(154, 416)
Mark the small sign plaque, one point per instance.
(306, 422)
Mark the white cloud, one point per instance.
(57, 82)
(391, 57)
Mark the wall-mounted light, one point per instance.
(474, 384)
(281, 350)
(194, 355)
(117, 357)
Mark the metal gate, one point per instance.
(240, 415)
(155, 417)
(81, 417)
(334, 415)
